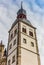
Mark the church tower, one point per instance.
(3, 57)
(22, 43)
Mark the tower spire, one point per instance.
(21, 4)
(21, 12)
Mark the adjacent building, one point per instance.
(3, 57)
(22, 43)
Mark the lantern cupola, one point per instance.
(21, 12)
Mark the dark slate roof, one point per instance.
(26, 21)
(21, 11)
(22, 20)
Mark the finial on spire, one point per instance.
(21, 4)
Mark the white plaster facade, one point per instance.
(13, 50)
(29, 54)
(28, 58)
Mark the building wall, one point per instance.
(3, 59)
(28, 58)
(29, 54)
(28, 43)
(10, 57)
(13, 46)
(14, 37)
(12, 31)
(1, 50)
(13, 50)
(28, 28)
(28, 38)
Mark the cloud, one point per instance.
(40, 3)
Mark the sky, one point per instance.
(35, 14)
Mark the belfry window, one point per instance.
(32, 44)
(24, 40)
(24, 29)
(31, 33)
(14, 42)
(9, 62)
(13, 59)
(11, 35)
(15, 32)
